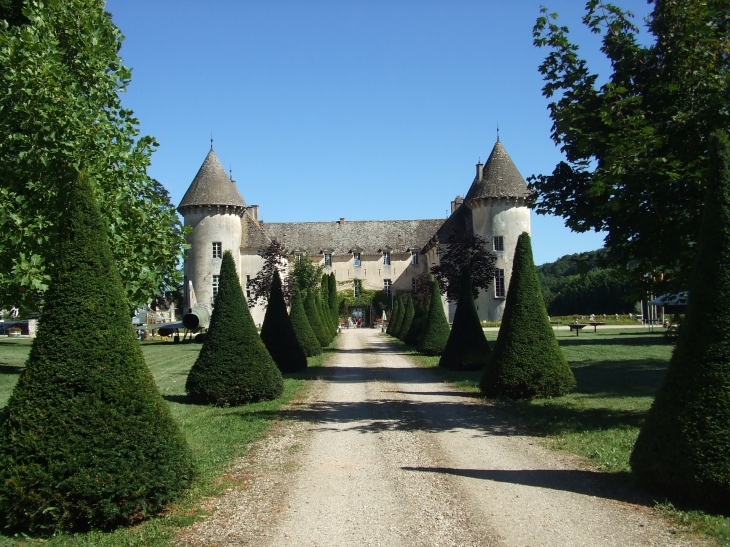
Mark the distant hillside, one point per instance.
(581, 284)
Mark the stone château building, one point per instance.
(374, 254)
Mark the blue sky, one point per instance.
(372, 109)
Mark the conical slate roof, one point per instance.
(212, 186)
(500, 179)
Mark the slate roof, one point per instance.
(253, 236)
(212, 186)
(370, 236)
(500, 179)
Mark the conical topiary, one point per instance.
(334, 300)
(526, 360)
(311, 308)
(324, 318)
(417, 325)
(278, 334)
(397, 319)
(467, 348)
(683, 448)
(436, 329)
(303, 330)
(87, 442)
(408, 314)
(324, 306)
(233, 367)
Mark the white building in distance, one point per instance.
(377, 254)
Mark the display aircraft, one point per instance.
(197, 317)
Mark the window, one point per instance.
(217, 249)
(386, 258)
(498, 243)
(298, 257)
(499, 291)
(357, 285)
(216, 285)
(414, 285)
(439, 253)
(248, 291)
(355, 259)
(328, 260)
(387, 284)
(414, 257)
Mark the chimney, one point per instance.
(480, 171)
(253, 210)
(342, 221)
(458, 200)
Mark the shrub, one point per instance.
(436, 328)
(419, 322)
(87, 442)
(234, 367)
(407, 318)
(396, 319)
(311, 307)
(324, 310)
(278, 334)
(334, 307)
(467, 347)
(303, 330)
(683, 448)
(526, 360)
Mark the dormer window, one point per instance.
(386, 258)
(414, 258)
(298, 257)
(356, 259)
(327, 259)
(217, 249)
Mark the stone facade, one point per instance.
(379, 253)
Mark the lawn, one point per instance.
(217, 437)
(618, 373)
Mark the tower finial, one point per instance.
(230, 172)
(211, 140)
(497, 132)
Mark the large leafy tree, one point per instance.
(275, 260)
(60, 107)
(635, 147)
(465, 249)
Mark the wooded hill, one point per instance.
(580, 284)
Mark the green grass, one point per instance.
(618, 373)
(217, 437)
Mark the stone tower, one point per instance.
(499, 202)
(213, 208)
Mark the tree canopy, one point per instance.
(60, 105)
(275, 260)
(465, 249)
(636, 150)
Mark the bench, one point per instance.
(577, 327)
(595, 324)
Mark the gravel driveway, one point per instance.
(384, 454)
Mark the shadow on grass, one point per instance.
(589, 483)
(620, 378)
(10, 369)
(598, 339)
(180, 399)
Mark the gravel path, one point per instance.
(383, 454)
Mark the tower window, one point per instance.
(357, 285)
(386, 258)
(499, 243)
(414, 257)
(328, 260)
(248, 291)
(499, 291)
(216, 286)
(356, 259)
(217, 249)
(387, 286)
